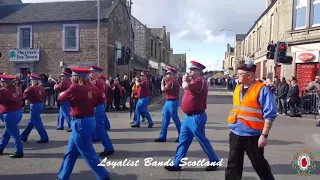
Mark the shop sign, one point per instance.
(307, 56)
(21, 55)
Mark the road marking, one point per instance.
(316, 138)
(156, 102)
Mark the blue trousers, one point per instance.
(100, 133)
(170, 110)
(106, 119)
(142, 108)
(35, 121)
(194, 126)
(80, 143)
(11, 121)
(64, 113)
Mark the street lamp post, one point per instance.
(130, 43)
(98, 32)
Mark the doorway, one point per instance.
(24, 72)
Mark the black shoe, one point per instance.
(1, 152)
(95, 140)
(211, 168)
(42, 141)
(160, 140)
(23, 140)
(59, 129)
(107, 178)
(16, 155)
(150, 126)
(135, 126)
(106, 153)
(172, 168)
(177, 140)
(69, 130)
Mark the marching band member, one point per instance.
(250, 120)
(36, 95)
(83, 125)
(97, 80)
(194, 104)
(142, 104)
(171, 87)
(11, 108)
(64, 112)
(100, 134)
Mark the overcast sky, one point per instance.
(195, 24)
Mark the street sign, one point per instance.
(18, 55)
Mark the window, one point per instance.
(271, 28)
(70, 41)
(24, 37)
(300, 14)
(151, 47)
(315, 13)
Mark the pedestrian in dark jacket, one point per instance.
(282, 91)
(293, 98)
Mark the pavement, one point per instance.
(43, 161)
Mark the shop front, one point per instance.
(307, 66)
(153, 68)
(163, 69)
(306, 59)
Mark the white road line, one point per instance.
(156, 102)
(316, 138)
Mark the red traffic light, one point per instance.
(282, 47)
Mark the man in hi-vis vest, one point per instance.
(250, 120)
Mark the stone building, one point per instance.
(238, 51)
(298, 23)
(51, 37)
(141, 46)
(229, 61)
(160, 50)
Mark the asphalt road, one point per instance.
(43, 161)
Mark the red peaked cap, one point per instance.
(34, 76)
(196, 65)
(80, 71)
(5, 77)
(96, 69)
(171, 70)
(144, 73)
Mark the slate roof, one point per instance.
(54, 11)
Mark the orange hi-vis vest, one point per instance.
(248, 111)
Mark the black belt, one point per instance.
(195, 113)
(80, 117)
(172, 99)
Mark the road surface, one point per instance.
(43, 161)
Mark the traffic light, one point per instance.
(281, 54)
(271, 50)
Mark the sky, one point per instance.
(195, 25)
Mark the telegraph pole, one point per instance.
(130, 42)
(98, 32)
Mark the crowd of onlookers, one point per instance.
(119, 89)
(290, 98)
